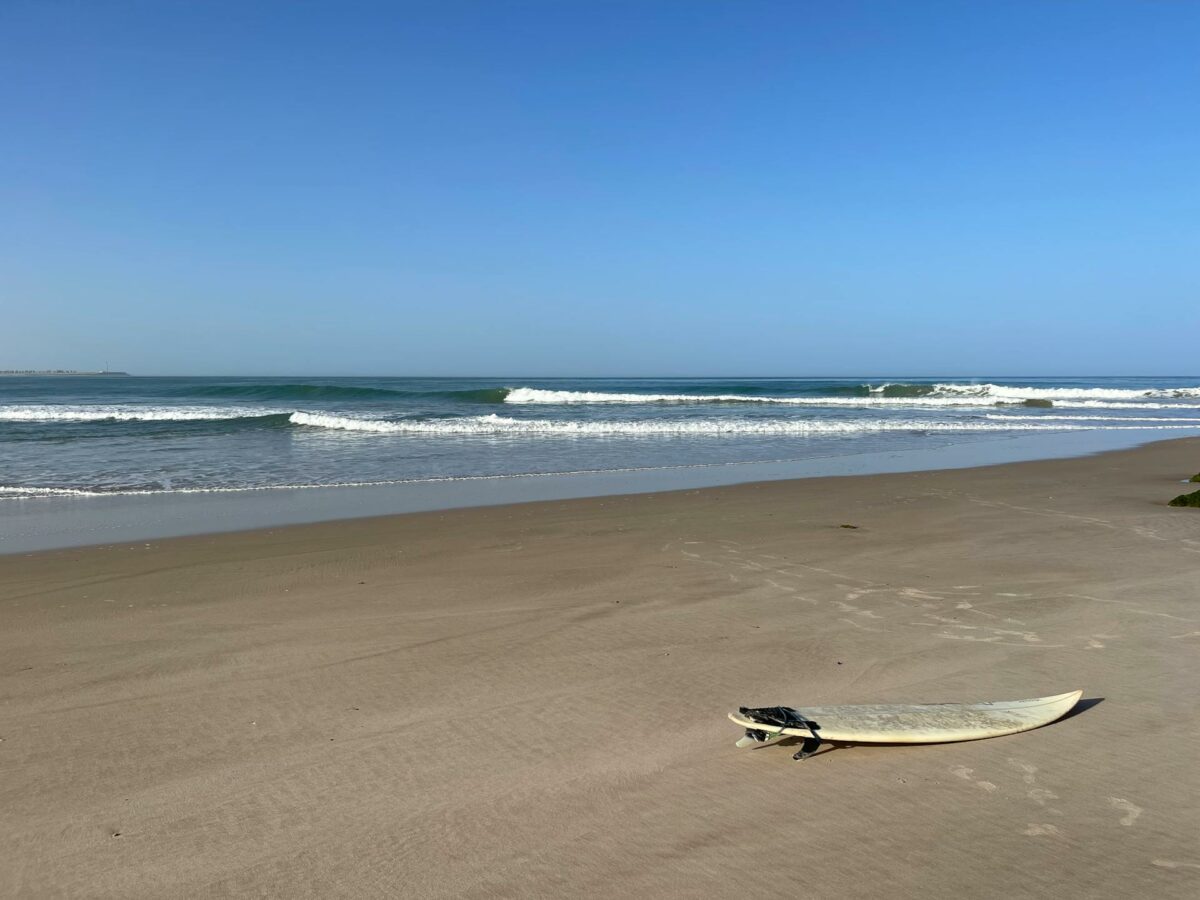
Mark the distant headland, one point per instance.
(56, 372)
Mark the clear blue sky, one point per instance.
(692, 187)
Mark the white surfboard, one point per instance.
(921, 723)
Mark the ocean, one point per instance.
(97, 436)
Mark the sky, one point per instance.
(611, 188)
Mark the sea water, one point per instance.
(96, 436)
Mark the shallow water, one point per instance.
(55, 521)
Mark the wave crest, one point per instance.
(887, 394)
(1010, 392)
(47, 413)
(494, 424)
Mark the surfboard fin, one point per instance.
(753, 736)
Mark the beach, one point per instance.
(529, 700)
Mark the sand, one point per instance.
(529, 701)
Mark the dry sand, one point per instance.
(529, 701)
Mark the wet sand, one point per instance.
(528, 701)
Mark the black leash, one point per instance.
(783, 717)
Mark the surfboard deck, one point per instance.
(917, 723)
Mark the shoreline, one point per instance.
(49, 523)
(529, 700)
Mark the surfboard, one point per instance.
(918, 723)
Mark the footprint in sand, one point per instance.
(1028, 770)
(969, 775)
(1131, 810)
(1041, 797)
(1042, 830)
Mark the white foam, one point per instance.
(28, 493)
(536, 395)
(53, 413)
(493, 424)
(1050, 416)
(1010, 392)
(1107, 404)
(963, 402)
(19, 492)
(944, 395)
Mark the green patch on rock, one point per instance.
(1192, 499)
(1195, 478)
(1039, 403)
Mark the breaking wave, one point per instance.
(502, 425)
(936, 396)
(1010, 392)
(31, 413)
